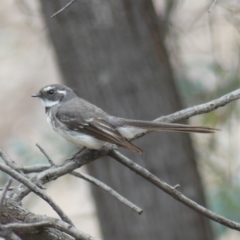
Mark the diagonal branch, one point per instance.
(198, 109)
(201, 108)
(172, 191)
(31, 186)
(4, 191)
(55, 172)
(109, 190)
(103, 186)
(63, 8)
(45, 154)
(9, 162)
(34, 169)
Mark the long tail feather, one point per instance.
(154, 126)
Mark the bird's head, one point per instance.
(53, 94)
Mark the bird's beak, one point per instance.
(36, 95)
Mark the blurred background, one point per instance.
(114, 53)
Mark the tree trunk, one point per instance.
(113, 54)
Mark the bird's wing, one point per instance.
(97, 127)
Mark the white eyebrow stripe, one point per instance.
(62, 91)
(48, 88)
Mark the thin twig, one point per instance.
(103, 186)
(108, 189)
(172, 191)
(9, 189)
(57, 171)
(46, 155)
(5, 189)
(63, 226)
(212, 6)
(34, 169)
(9, 161)
(62, 9)
(16, 175)
(201, 108)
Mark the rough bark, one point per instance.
(12, 212)
(113, 54)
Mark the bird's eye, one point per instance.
(50, 92)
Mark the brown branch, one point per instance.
(172, 191)
(62, 9)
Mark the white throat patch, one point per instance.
(47, 103)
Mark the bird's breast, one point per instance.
(76, 137)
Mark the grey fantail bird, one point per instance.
(84, 124)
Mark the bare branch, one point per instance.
(45, 154)
(13, 173)
(103, 186)
(172, 191)
(57, 171)
(88, 178)
(198, 109)
(201, 108)
(62, 9)
(6, 233)
(212, 6)
(9, 189)
(5, 189)
(36, 168)
(8, 161)
(109, 190)
(63, 226)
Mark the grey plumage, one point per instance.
(87, 125)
